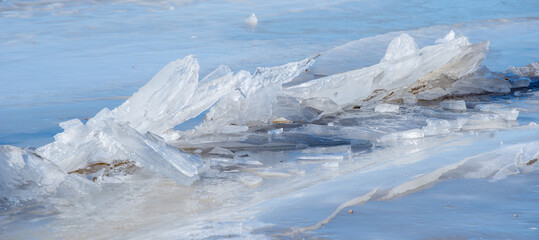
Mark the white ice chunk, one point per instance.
(387, 108)
(458, 105)
(154, 106)
(408, 134)
(256, 99)
(324, 105)
(252, 20)
(276, 131)
(504, 113)
(531, 70)
(103, 140)
(402, 65)
(401, 47)
(25, 177)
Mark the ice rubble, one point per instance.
(26, 177)
(139, 129)
(103, 140)
(403, 65)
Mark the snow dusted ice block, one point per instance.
(26, 177)
(402, 65)
(103, 140)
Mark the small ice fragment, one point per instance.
(331, 124)
(325, 105)
(250, 181)
(448, 38)
(517, 93)
(275, 131)
(520, 82)
(252, 20)
(234, 129)
(386, 108)
(409, 134)
(507, 114)
(526, 71)
(458, 105)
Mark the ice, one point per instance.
(403, 65)
(103, 140)
(503, 112)
(387, 108)
(252, 20)
(258, 99)
(458, 105)
(174, 96)
(531, 70)
(275, 131)
(26, 178)
(520, 82)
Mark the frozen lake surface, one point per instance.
(330, 120)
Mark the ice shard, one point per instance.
(26, 177)
(103, 140)
(256, 100)
(402, 65)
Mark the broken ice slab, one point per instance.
(509, 114)
(531, 70)
(402, 65)
(26, 177)
(457, 105)
(174, 96)
(256, 100)
(103, 140)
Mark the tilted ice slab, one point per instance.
(103, 140)
(26, 177)
(258, 99)
(402, 65)
(174, 95)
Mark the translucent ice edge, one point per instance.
(137, 130)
